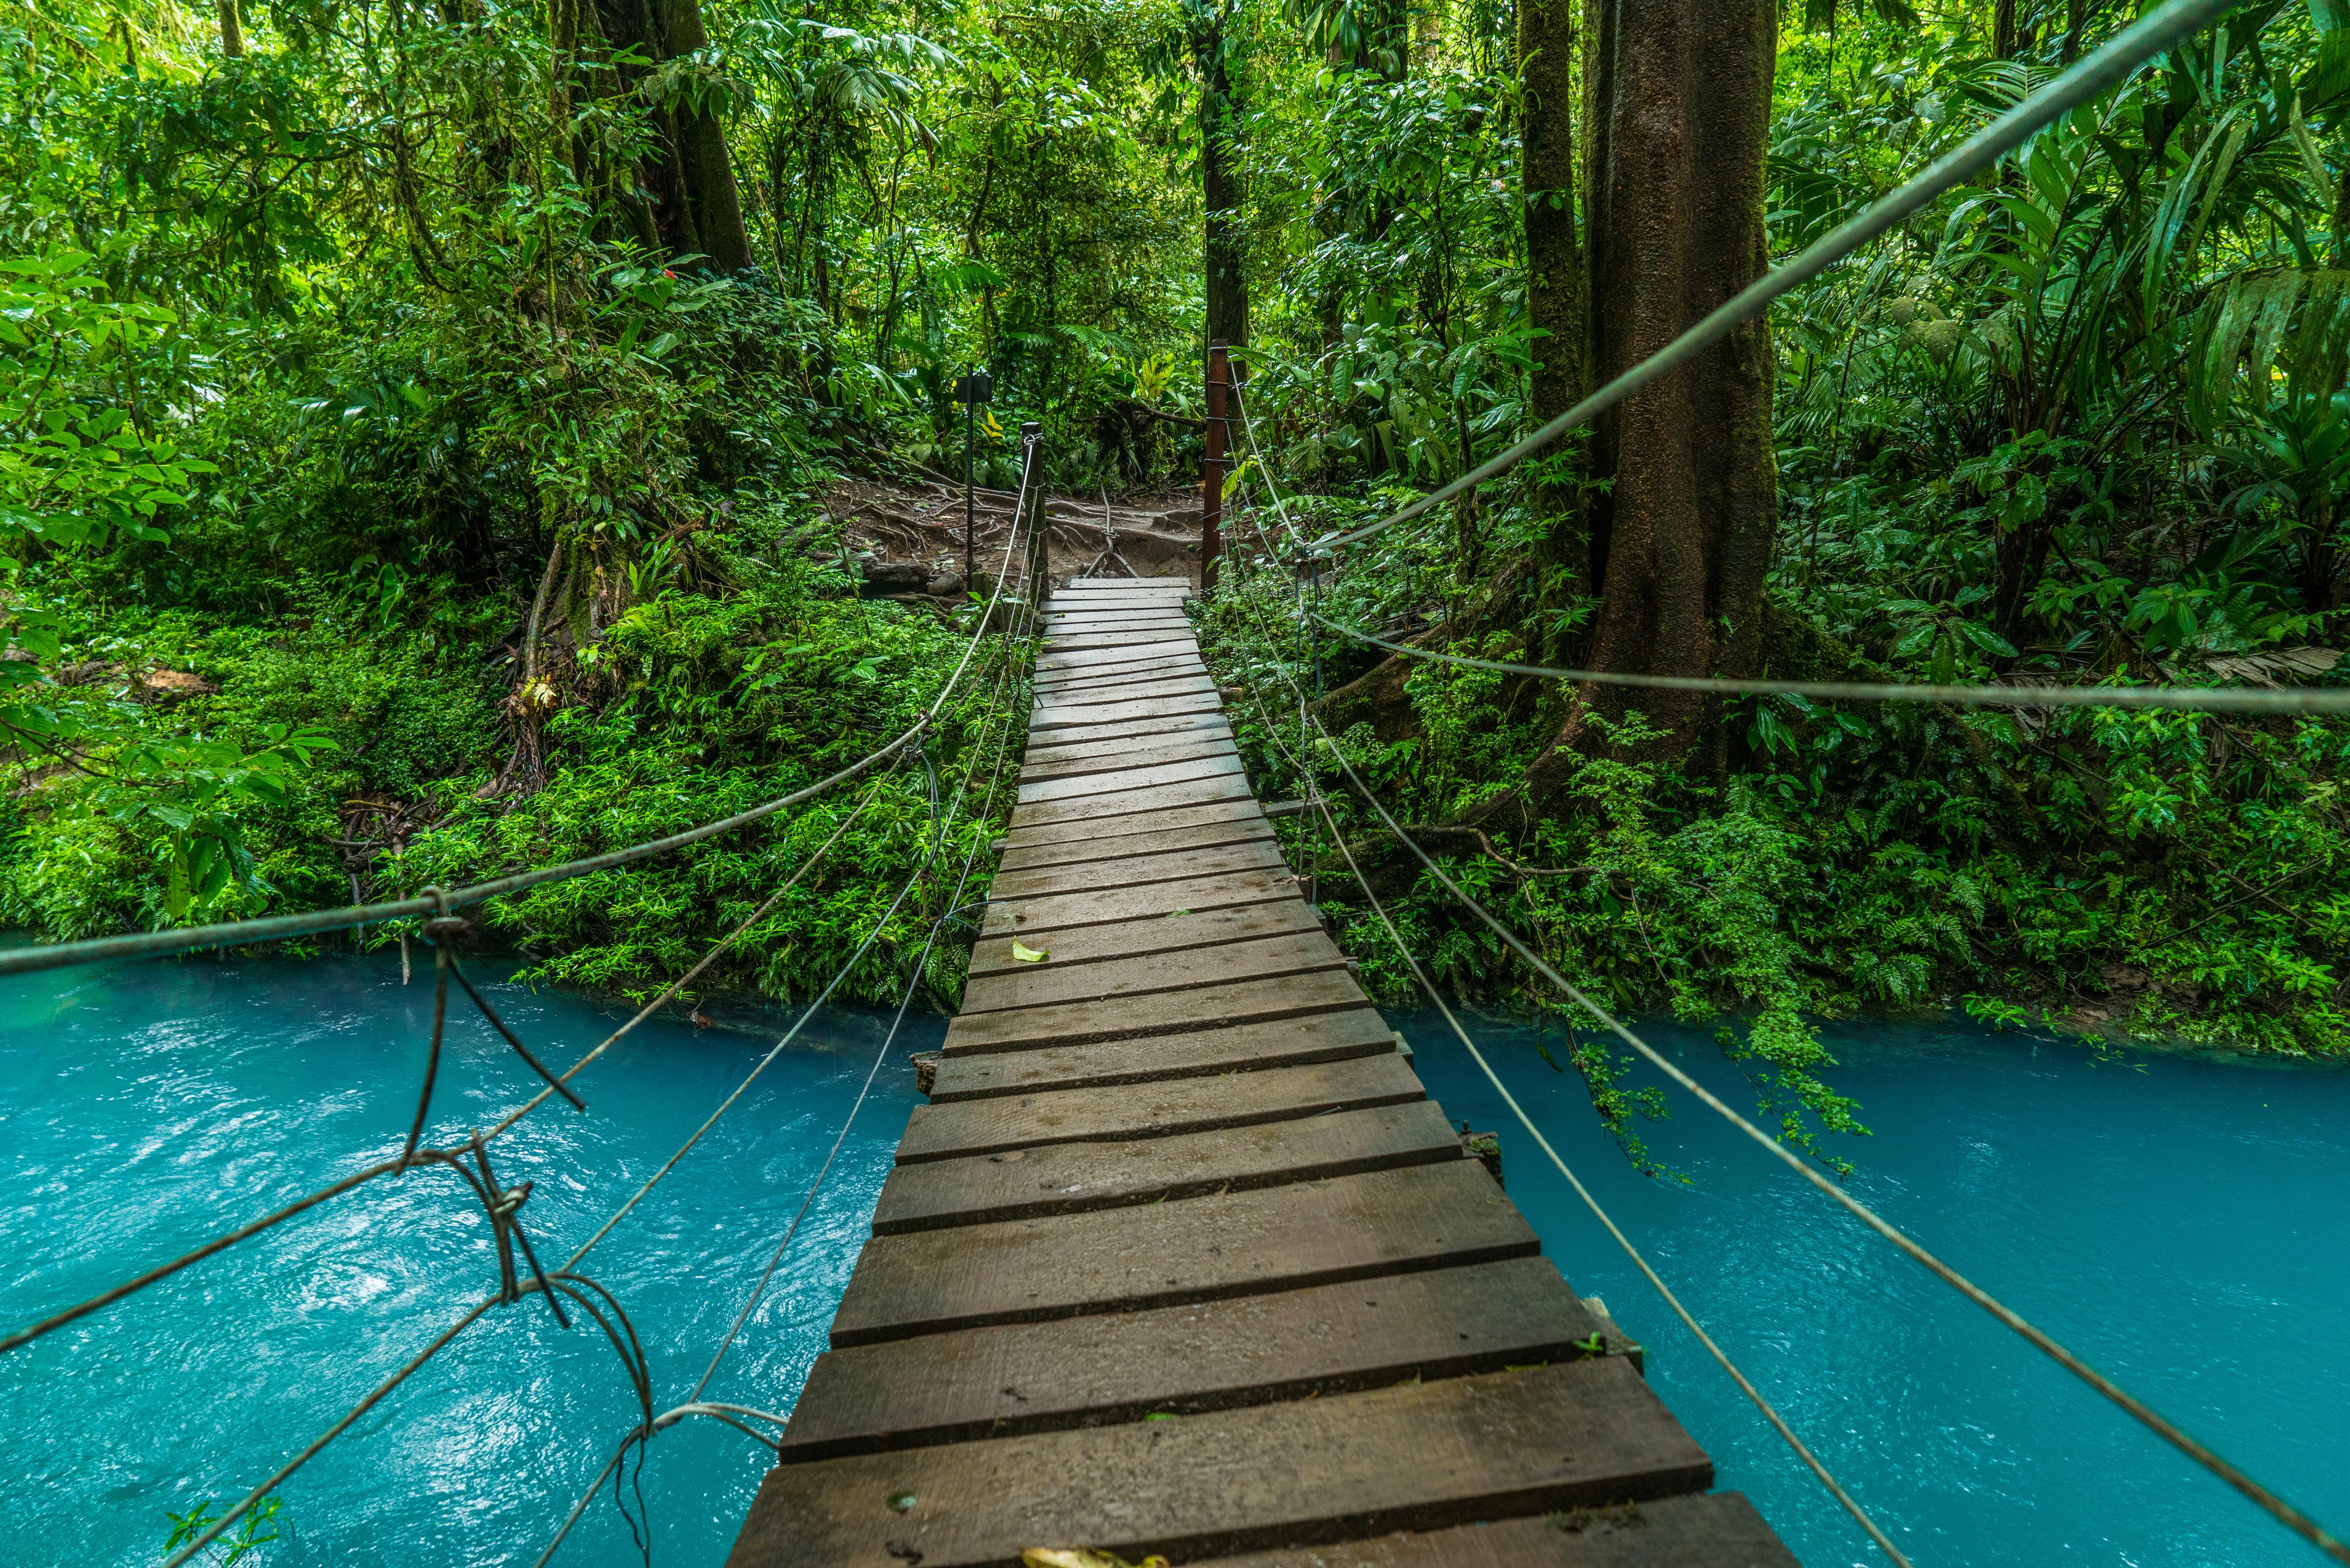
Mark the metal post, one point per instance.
(1032, 436)
(1211, 465)
(972, 390)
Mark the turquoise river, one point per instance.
(2183, 1222)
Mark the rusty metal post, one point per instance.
(1211, 465)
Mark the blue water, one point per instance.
(147, 1107)
(2180, 1222)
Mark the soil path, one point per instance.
(911, 535)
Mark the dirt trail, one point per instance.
(911, 535)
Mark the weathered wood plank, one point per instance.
(1164, 1012)
(1096, 1371)
(1124, 780)
(1191, 929)
(1076, 660)
(1119, 756)
(1200, 827)
(1120, 886)
(1095, 905)
(1715, 1529)
(1281, 1042)
(1060, 623)
(1164, 1254)
(1118, 675)
(1087, 641)
(1127, 708)
(1048, 984)
(1181, 724)
(1158, 799)
(940, 1131)
(1419, 1457)
(1060, 704)
(1083, 1177)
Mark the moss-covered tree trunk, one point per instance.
(1678, 542)
(697, 208)
(1557, 293)
(1220, 186)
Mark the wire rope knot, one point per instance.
(504, 1205)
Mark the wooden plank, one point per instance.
(1421, 1455)
(1123, 619)
(1094, 696)
(1163, 1013)
(1119, 675)
(1085, 1177)
(1050, 984)
(1122, 781)
(1132, 708)
(1158, 799)
(1097, 906)
(1164, 1254)
(1078, 659)
(1715, 1529)
(939, 1131)
(1248, 1047)
(1202, 827)
(1086, 641)
(1187, 931)
(1119, 755)
(1052, 744)
(1093, 1371)
(1175, 866)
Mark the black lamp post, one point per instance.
(969, 392)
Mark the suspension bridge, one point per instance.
(1179, 1260)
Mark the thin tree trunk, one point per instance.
(231, 32)
(1219, 184)
(1557, 294)
(697, 207)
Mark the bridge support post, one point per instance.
(1212, 463)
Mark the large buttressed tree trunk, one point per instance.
(1679, 542)
(696, 209)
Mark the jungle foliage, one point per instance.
(414, 422)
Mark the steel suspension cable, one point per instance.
(2158, 31)
(2194, 698)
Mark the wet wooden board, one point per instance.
(1164, 1254)
(1422, 1456)
(1280, 1042)
(1081, 1177)
(1119, 755)
(942, 1130)
(1127, 887)
(1128, 803)
(1170, 1013)
(1122, 780)
(1718, 1529)
(1117, 676)
(1049, 741)
(1119, 902)
(1247, 1350)
(1128, 708)
(1062, 707)
(1047, 984)
(1202, 827)
(1198, 929)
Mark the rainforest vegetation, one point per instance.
(416, 418)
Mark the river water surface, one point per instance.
(2182, 1222)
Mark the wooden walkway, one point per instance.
(1180, 1257)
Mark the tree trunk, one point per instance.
(1681, 540)
(696, 207)
(231, 32)
(1219, 184)
(2077, 19)
(1557, 298)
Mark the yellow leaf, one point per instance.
(1083, 1557)
(1026, 954)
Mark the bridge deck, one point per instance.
(1180, 1257)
